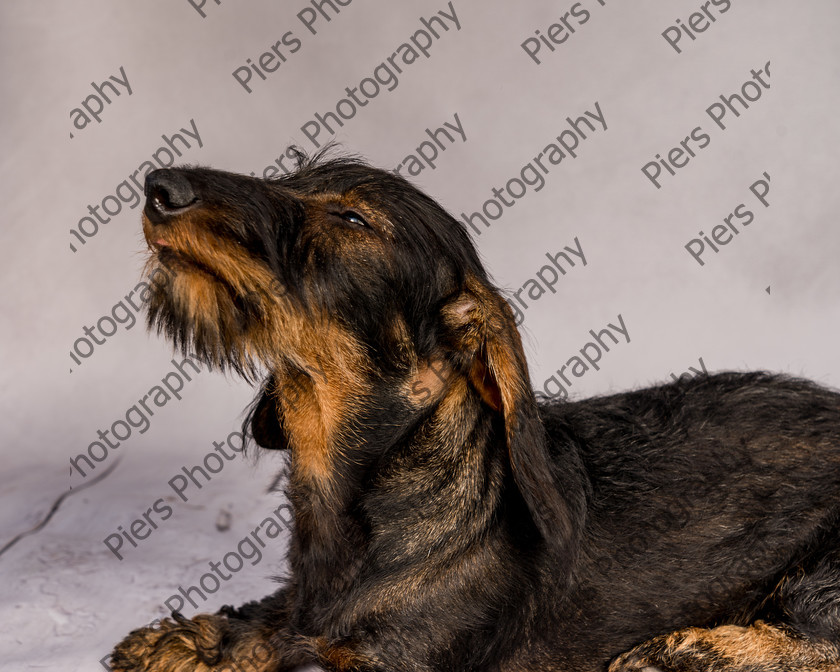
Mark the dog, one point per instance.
(445, 518)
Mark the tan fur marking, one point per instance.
(342, 657)
(759, 646)
(486, 385)
(311, 422)
(762, 644)
(485, 323)
(427, 384)
(323, 403)
(180, 647)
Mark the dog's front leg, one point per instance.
(354, 656)
(253, 638)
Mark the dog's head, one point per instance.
(363, 301)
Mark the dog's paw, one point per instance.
(178, 644)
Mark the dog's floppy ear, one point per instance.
(263, 421)
(485, 344)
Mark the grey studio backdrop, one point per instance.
(654, 183)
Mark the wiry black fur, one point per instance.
(555, 535)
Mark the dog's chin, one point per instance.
(201, 316)
(175, 262)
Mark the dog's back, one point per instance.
(706, 495)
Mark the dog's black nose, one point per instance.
(168, 192)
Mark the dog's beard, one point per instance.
(202, 314)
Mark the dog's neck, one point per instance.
(431, 464)
(325, 405)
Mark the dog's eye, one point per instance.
(353, 218)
